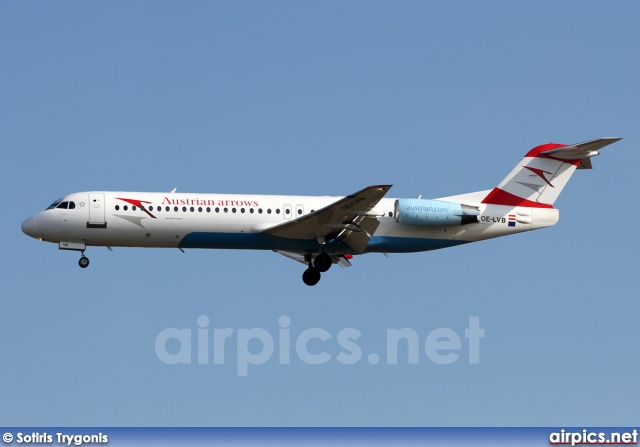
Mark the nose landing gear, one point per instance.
(84, 261)
(76, 246)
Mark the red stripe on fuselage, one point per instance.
(139, 204)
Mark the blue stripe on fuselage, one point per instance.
(263, 241)
(387, 244)
(248, 241)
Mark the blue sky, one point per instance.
(436, 98)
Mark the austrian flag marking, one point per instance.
(512, 220)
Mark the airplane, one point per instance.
(318, 231)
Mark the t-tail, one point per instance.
(539, 178)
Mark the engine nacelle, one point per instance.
(434, 213)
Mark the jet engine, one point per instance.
(434, 213)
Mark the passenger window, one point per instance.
(133, 208)
(167, 208)
(117, 207)
(251, 210)
(208, 210)
(242, 210)
(175, 208)
(125, 207)
(278, 211)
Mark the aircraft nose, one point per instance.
(30, 227)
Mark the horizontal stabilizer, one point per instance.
(581, 150)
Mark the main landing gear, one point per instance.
(321, 263)
(311, 276)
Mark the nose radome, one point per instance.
(30, 227)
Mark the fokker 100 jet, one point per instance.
(316, 231)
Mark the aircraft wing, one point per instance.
(351, 219)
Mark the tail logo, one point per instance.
(540, 173)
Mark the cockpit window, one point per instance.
(54, 204)
(72, 205)
(63, 205)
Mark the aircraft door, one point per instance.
(96, 210)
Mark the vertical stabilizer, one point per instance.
(539, 178)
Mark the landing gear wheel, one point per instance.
(323, 262)
(83, 262)
(311, 276)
